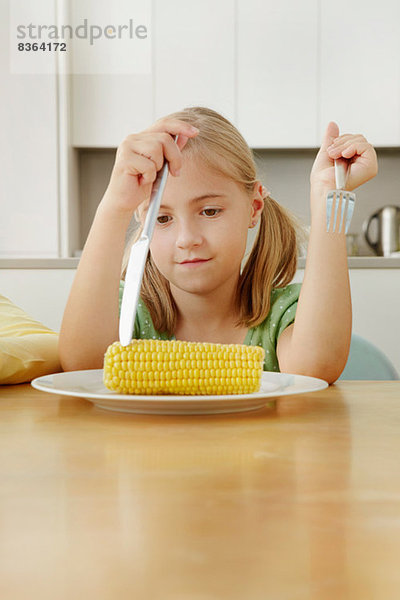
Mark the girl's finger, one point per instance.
(182, 139)
(331, 133)
(157, 144)
(171, 152)
(349, 149)
(346, 137)
(149, 150)
(345, 140)
(174, 127)
(155, 147)
(355, 149)
(139, 166)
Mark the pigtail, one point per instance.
(272, 263)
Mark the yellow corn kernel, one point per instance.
(185, 368)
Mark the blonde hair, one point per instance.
(273, 259)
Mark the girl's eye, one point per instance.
(163, 219)
(211, 212)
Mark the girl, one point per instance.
(194, 288)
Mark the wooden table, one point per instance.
(297, 501)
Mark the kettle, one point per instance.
(388, 230)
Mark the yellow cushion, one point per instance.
(28, 349)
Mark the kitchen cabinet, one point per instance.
(194, 55)
(375, 300)
(41, 292)
(111, 87)
(29, 151)
(107, 108)
(375, 296)
(234, 57)
(360, 68)
(279, 71)
(301, 65)
(277, 61)
(193, 64)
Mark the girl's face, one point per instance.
(201, 230)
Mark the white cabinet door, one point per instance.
(279, 70)
(360, 68)
(194, 55)
(277, 73)
(42, 293)
(375, 302)
(193, 64)
(28, 152)
(107, 108)
(375, 298)
(112, 82)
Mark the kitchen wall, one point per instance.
(284, 172)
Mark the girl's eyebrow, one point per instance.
(200, 198)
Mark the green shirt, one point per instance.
(281, 314)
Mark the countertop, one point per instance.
(297, 500)
(354, 262)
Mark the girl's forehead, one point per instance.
(195, 163)
(200, 173)
(185, 188)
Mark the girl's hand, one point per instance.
(139, 157)
(355, 148)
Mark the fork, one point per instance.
(339, 201)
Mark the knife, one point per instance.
(137, 260)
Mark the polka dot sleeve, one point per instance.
(283, 310)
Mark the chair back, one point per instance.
(366, 361)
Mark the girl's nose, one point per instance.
(188, 235)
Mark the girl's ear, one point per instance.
(257, 203)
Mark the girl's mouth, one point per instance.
(194, 261)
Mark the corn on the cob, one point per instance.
(178, 367)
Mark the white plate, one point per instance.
(89, 385)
